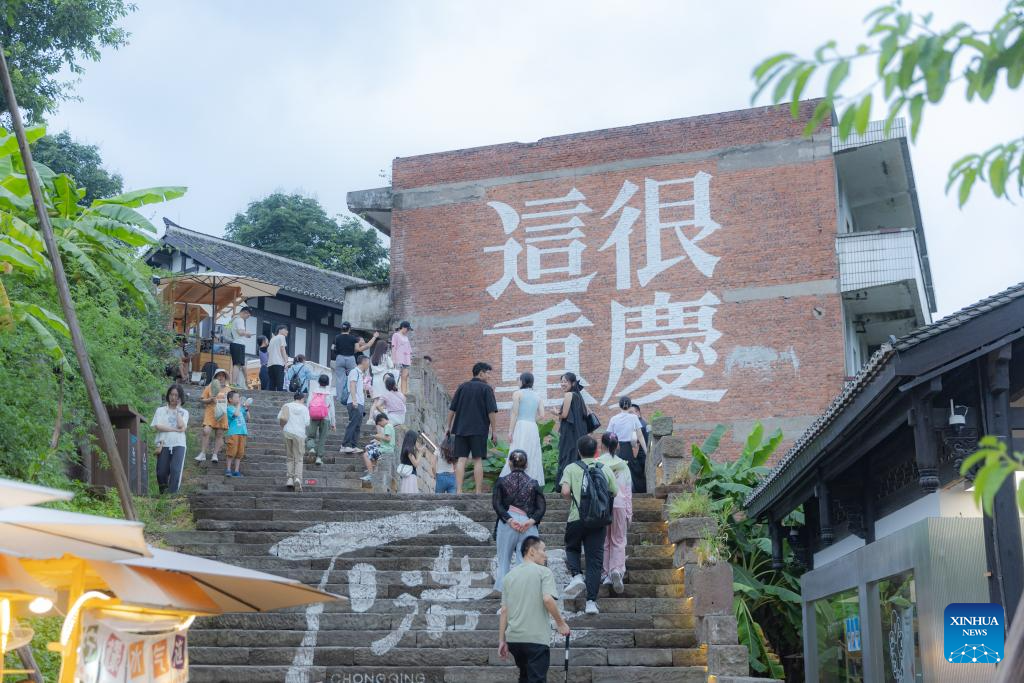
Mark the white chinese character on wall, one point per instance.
(554, 250)
(678, 205)
(668, 342)
(543, 343)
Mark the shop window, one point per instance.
(901, 649)
(838, 638)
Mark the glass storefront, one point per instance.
(840, 653)
(901, 649)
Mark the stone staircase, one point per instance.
(418, 574)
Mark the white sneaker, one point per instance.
(291, 483)
(319, 461)
(591, 608)
(606, 581)
(366, 477)
(214, 458)
(201, 457)
(347, 449)
(574, 587)
(616, 581)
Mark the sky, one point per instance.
(237, 99)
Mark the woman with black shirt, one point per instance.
(519, 503)
(573, 422)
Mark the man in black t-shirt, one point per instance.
(472, 415)
(346, 346)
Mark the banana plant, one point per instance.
(766, 600)
(100, 244)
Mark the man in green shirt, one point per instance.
(526, 601)
(577, 536)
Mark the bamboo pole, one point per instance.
(107, 439)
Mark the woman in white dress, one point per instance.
(381, 365)
(522, 432)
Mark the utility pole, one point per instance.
(66, 303)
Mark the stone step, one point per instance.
(594, 636)
(215, 673)
(335, 622)
(418, 655)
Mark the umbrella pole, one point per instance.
(67, 304)
(213, 317)
(69, 657)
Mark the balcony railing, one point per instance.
(874, 134)
(872, 259)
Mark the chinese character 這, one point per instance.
(554, 250)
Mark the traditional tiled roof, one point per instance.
(293, 277)
(871, 369)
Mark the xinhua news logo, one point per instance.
(973, 633)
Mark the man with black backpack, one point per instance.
(590, 487)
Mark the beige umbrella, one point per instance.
(42, 533)
(15, 493)
(234, 589)
(217, 289)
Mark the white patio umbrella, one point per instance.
(42, 533)
(234, 589)
(16, 493)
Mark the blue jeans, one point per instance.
(444, 482)
(509, 542)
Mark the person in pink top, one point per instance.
(401, 353)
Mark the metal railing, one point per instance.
(874, 134)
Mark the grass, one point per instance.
(710, 549)
(690, 505)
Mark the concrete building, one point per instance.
(720, 268)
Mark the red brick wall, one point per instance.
(778, 225)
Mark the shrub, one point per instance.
(690, 505)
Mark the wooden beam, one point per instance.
(824, 514)
(926, 449)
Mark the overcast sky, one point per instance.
(237, 99)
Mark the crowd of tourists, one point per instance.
(596, 474)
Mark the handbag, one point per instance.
(404, 470)
(592, 421)
(219, 411)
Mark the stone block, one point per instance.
(674, 447)
(691, 528)
(717, 629)
(684, 554)
(639, 657)
(661, 426)
(710, 587)
(728, 660)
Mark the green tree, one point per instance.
(42, 38)
(915, 63)
(297, 227)
(83, 163)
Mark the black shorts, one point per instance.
(237, 354)
(474, 446)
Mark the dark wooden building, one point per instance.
(310, 302)
(891, 534)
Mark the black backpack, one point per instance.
(595, 503)
(296, 382)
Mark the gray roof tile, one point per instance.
(293, 277)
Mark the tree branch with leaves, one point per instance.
(915, 65)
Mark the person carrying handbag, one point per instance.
(574, 421)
